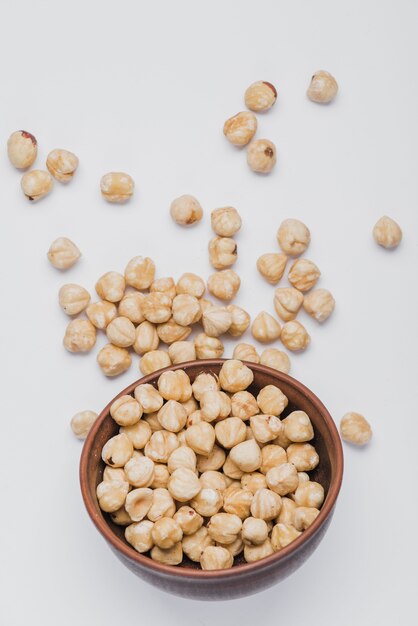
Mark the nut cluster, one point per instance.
(208, 469)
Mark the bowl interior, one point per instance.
(326, 442)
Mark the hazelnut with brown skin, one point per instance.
(22, 149)
(261, 156)
(260, 96)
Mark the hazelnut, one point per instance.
(293, 237)
(282, 535)
(131, 307)
(113, 360)
(149, 398)
(206, 381)
(164, 285)
(214, 405)
(121, 517)
(186, 210)
(172, 416)
(222, 252)
(272, 266)
(111, 287)
(182, 457)
(295, 336)
(171, 556)
(319, 304)
(153, 361)
(298, 427)
(265, 428)
(265, 328)
(139, 433)
(101, 313)
(22, 149)
(80, 336)
(231, 469)
(73, 298)
(214, 460)
(216, 321)
(126, 411)
(355, 429)
(162, 502)
(387, 232)
(272, 400)
(140, 272)
(226, 221)
(111, 494)
(82, 422)
(303, 274)
(240, 320)
(146, 338)
(304, 516)
(161, 476)
(188, 520)
(117, 187)
(266, 504)
(201, 438)
(260, 96)
(139, 535)
(276, 359)
(261, 156)
(224, 527)
(195, 544)
(36, 184)
(183, 484)
(253, 482)
(63, 253)
(238, 503)
(246, 456)
(303, 456)
(323, 87)
(156, 307)
(254, 531)
(208, 347)
(215, 557)
(207, 502)
(166, 533)
(235, 376)
(286, 512)
(240, 128)
(117, 450)
(186, 309)
(272, 456)
(161, 444)
(62, 164)
(121, 332)
(310, 494)
(244, 405)
(212, 479)
(287, 302)
(255, 553)
(230, 432)
(139, 471)
(191, 284)
(182, 351)
(283, 479)
(224, 284)
(246, 352)
(170, 331)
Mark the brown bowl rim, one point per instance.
(185, 572)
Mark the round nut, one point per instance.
(235, 376)
(80, 336)
(309, 494)
(244, 405)
(222, 252)
(140, 433)
(240, 320)
(303, 274)
(272, 266)
(117, 450)
(186, 210)
(113, 360)
(246, 456)
(111, 494)
(153, 361)
(208, 347)
(215, 557)
(201, 438)
(62, 164)
(266, 504)
(131, 307)
(303, 456)
(183, 484)
(298, 427)
(117, 187)
(355, 429)
(265, 328)
(82, 422)
(36, 184)
(139, 535)
(101, 313)
(240, 128)
(275, 359)
(63, 253)
(126, 411)
(139, 471)
(182, 351)
(146, 338)
(207, 502)
(191, 284)
(293, 237)
(246, 352)
(282, 535)
(140, 272)
(121, 332)
(323, 87)
(255, 553)
(254, 531)
(283, 479)
(171, 556)
(260, 96)
(73, 298)
(224, 284)
(186, 309)
(22, 149)
(387, 232)
(111, 287)
(138, 503)
(271, 400)
(295, 336)
(224, 527)
(161, 445)
(166, 533)
(319, 304)
(261, 156)
(226, 221)
(188, 520)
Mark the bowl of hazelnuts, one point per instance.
(212, 479)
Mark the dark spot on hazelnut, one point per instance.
(27, 135)
(272, 87)
(191, 513)
(30, 198)
(110, 461)
(268, 152)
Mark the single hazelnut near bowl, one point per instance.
(62, 164)
(355, 429)
(260, 96)
(186, 210)
(113, 360)
(225, 221)
(22, 149)
(276, 359)
(295, 336)
(63, 253)
(319, 304)
(323, 87)
(117, 187)
(208, 347)
(387, 232)
(36, 184)
(240, 128)
(245, 352)
(261, 156)
(293, 237)
(82, 422)
(265, 328)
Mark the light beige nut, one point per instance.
(131, 306)
(182, 351)
(191, 284)
(235, 376)
(303, 456)
(82, 422)
(355, 429)
(293, 237)
(175, 385)
(230, 432)
(283, 479)
(323, 87)
(241, 128)
(163, 504)
(139, 536)
(113, 360)
(117, 187)
(111, 494)
(170, 331)
(261, 156)
(226, 221)
(213, 480)
(183, 484)
(171, 556)
(126, 411)
(161, 476)
(207, 502)
(298, 427)
(22, 149)
(153, 361)
(201, 438)
(244, 405)
(156, 307)
(117, 450)
(272, 266)
(188, 520)
(253, 482)
(260, 96)
(223, 252)
(36, 184)
(214, 405)
(172, 416)
(254, 531)
(231, 470)
(277, 359)
(111, 286)
(214, 460)
(265, 428)
(272, 400)
(121, 517)
(282, 535)
(161, 445)
(80, 336)
(164, 285)
(387, 232)
(216, 557)
(208, 347)
(140, 471)
(195, 544)
(121, 332)
(295, 336)
(224, 527)
(206, 381)
(286, 512)
(303, 477)
(101, 313)
(272, 456)
(240, 320)
(255, 553)
(319, 304)
(62, 164)
(224, 284)
(146, 338)
(238, 503)
(186, 210)
(73, 298)
(246, 456)
(265, 328)
(139, 433)
(309, 494)
(63, 253)
(266, 504)
(304, 516)
(186, 309)
(287, 302)
(216, 321)
(303, 274)
(182, 457)
(191, 405)
(166, 533)
(140, 272)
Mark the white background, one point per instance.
(145, 87)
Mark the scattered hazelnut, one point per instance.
(146, 338)
(182, 351)
(261, 156)
(265, 328)
(121, 332)
(240, 320)
(111, 287)
(63, 253)
(153, 361)
(323, 87)
(260, 96)
(131, 306)
(293, 237)
(36, 184)
(140, 272)
(235, 376)
(117, 187)
(226, 221)
(224, 284)
(186, 309)
(22, 149)
(287, 302)
(387, 232)
(101, 313)
(82, 422)
(355, 429)
(73, 299)
(80, 336)
(222, 252)
(319, 304)
(62, 164)
(303, 274)
(113, 360)
(216, 321)
(276, 359)
(272, 266)
(164, 285)
(208, 347)
(240, 128)
(295, 336)
(246, 352)
(186, 210)
(271, 400)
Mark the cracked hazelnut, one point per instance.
(62, 164)
(222, 252)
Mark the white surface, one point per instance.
(145, 87)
